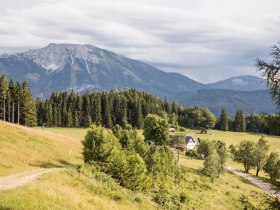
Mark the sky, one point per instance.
(205, 40)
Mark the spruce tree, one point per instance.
(12, 90)
(224, 120)
(49, 114)
(3, 96)
(106, 113)
(28, 108)
(18, 93)
(96, 112)
(240, 121)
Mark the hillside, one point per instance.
(85, 189)
(27, 149)
(258, 101)
(23, 148)
(242, 83)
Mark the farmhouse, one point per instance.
(191, 141)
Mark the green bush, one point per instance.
(192, 153)
(99, 145)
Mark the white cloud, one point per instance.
(217, 38)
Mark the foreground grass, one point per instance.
(23, 149)
(72, 190)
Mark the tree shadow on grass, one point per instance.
(60, 163)
(5, 208)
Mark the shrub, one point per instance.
(192, 153)
(99, 145)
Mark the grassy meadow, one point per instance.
(23, 149)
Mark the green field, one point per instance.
(23, 149)
(228, 137)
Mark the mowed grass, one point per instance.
(228, 137)
(23, 149)
(236, 137)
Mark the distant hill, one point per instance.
(60, 67)
(243, 83)
(215, 99)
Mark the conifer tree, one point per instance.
(106, 113)
(28, 108)
(13, 98)
(49, 114)
(18, 93)
(3, 96)
(96, 112)
(240, 121)
(224, 120)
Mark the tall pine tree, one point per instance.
(224, 120)
(28, 108)
(3, 96)
(240, 121)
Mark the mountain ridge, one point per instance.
(60, 67)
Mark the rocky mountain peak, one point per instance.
(54, 56)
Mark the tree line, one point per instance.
(16, 102)
(255, 123)
(129, 106)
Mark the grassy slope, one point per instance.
(70, 190)
(23, 149)
(223, 193)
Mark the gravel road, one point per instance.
(261, 184)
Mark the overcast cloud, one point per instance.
(205, 40)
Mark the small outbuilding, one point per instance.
(203, 131)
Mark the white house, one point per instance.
(191, 141)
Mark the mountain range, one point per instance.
(59, 67)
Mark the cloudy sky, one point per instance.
(205, 40)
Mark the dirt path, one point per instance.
(261, 184)
(16, 180)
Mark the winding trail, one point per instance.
(16, 180)
(259, 183)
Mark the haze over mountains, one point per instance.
(59, 67)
